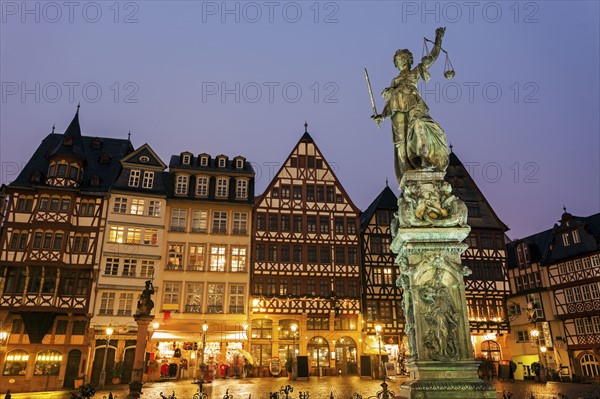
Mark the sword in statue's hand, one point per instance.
(375, 114)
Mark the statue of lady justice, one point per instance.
(419, 141)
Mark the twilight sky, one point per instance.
(240, 78)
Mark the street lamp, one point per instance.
(204, 329)
(381, 369)
(294, 328)
(109, 332)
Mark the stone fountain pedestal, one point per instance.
(429, 230)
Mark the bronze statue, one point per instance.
(419, 141)
(145, 303)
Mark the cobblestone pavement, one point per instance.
(318, 388)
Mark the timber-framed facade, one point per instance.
(50, 246)
(305, 266)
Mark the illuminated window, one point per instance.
(217, 258)
(137, 207)
(47, 363)
(215, 297)
(16, 363)
(196, 258)
(238, 259)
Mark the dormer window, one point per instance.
(239, 163)
(576, 238)
(222, 187)
(73, 172)
(185, 159)
(181, 186)
(523, 256)
(204, 160)
(241, 189)
(104, 158)
(148, 180)
(96, 143)
(134, 178)
(68, 140)
(52, 170)
(565, 239)
(222, 162)
(61, 170)
(95, 181)
(36, 176)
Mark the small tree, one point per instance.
(117, 371)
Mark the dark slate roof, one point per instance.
(76, 148)
(194, 165)
(464, 187)
(385, 200)
(107, 172)
(537, 243)
(546, 247)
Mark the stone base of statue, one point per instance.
(429, 230)
(135, 386)
(444, 380)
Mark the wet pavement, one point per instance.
(318, 388)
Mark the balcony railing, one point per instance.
(240, 232)
(219, 231)
(195, 268)
(193, 308)
(172, 266)
(199, 230)
(180, 229)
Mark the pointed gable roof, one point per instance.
(306, 138)
(136, 159)
(72, 142)
(385, 200)
(464, 187)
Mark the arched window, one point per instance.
(47, 362)
(491, 350)
(589, 365)
(318, 351)
(16, 362)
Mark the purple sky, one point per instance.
(522, 111)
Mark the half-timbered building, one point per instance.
(382, 298)
(50, 248)
(486, 288)
(132, 253)
(305, 267)
(555, 277)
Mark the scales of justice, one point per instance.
(428, 233)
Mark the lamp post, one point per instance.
(381, 369)
(294, 328)
(109, 332)
(204, 329)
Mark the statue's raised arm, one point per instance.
(430, 58)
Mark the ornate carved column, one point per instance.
(429, 230)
